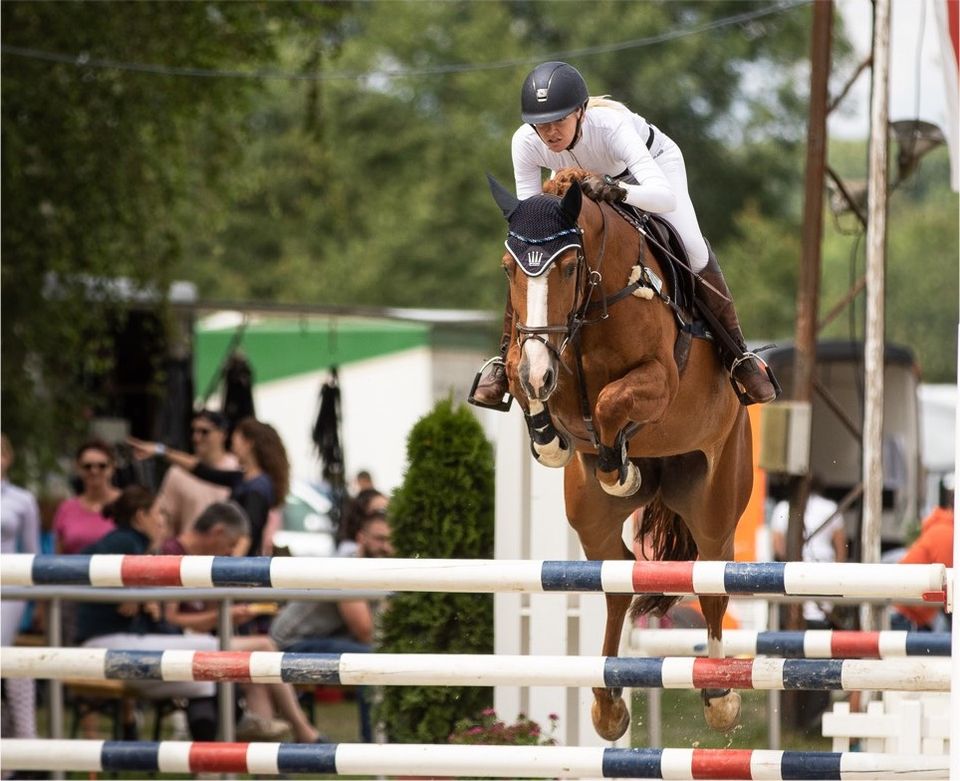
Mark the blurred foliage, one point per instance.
(443, 510)
(99, 165)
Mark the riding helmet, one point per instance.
(550, 92)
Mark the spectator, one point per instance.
(261, 482)
(365, 504)
(338, 627)
(364, 481)
(141, 528)
(183, 496)
(933, 546)
(824, 540)
(19, 533)
(216, 533)
(79, 522)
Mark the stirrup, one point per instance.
(502, 406)
(738, 388)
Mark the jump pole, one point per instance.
(809, 644)
(477, 670)
(458, 761)
(908, 581)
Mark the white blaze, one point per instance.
(536, 353)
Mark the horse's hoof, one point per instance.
(628, 487)
(613, 725)
(555, 454)
(722, 713)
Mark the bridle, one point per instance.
(588, 280)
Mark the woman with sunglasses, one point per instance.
(633, 162)
(261, 482)
(79, 522)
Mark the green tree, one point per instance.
(385, 201)
(443, 510)
(100, 165)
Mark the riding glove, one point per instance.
(602, 189)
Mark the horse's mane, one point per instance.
(562, 179)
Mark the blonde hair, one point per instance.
(604, 101)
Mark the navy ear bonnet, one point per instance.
(540, 230)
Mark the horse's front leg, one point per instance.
(641, 396)
(549, 446)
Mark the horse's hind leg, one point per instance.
(721, 707)
(609, 712)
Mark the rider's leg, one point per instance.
(743, 365)
(493, 385)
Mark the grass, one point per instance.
(683, 726)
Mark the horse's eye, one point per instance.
(569, 269)
(508, 266)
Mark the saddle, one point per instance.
(668, 249)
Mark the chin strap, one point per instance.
(578, 132)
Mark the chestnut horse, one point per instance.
(592, 362)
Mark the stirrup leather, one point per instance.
(738, 388)
(502, 406)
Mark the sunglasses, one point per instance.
(200, 431)
(90, 466)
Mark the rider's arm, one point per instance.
(652, 193)
(526, 163)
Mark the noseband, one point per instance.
(588, 280)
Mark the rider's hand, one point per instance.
(602, 188)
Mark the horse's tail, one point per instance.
(664, 533)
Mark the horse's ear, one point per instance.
(505, 199)
(572, 201)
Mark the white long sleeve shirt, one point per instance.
(612, 141)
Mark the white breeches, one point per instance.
(684, 217)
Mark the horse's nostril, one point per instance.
(548, 378)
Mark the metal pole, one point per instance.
(226, 690)
(808, 287)
(55, 640)
(874, 330)
(774, 726)
(654, 705)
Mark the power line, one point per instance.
(83, 60)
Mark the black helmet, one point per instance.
(550, 92)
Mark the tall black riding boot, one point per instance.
(490, 388)
(753, 380)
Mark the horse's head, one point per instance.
(544, 264)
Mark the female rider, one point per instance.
(631, 161)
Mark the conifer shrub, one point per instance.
(443, 510)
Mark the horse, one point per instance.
(618, 393)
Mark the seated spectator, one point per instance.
(140, 528)
(338, 627)
(216, 533)
(183, 496)
(933, 546)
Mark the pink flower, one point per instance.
(553, 717)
